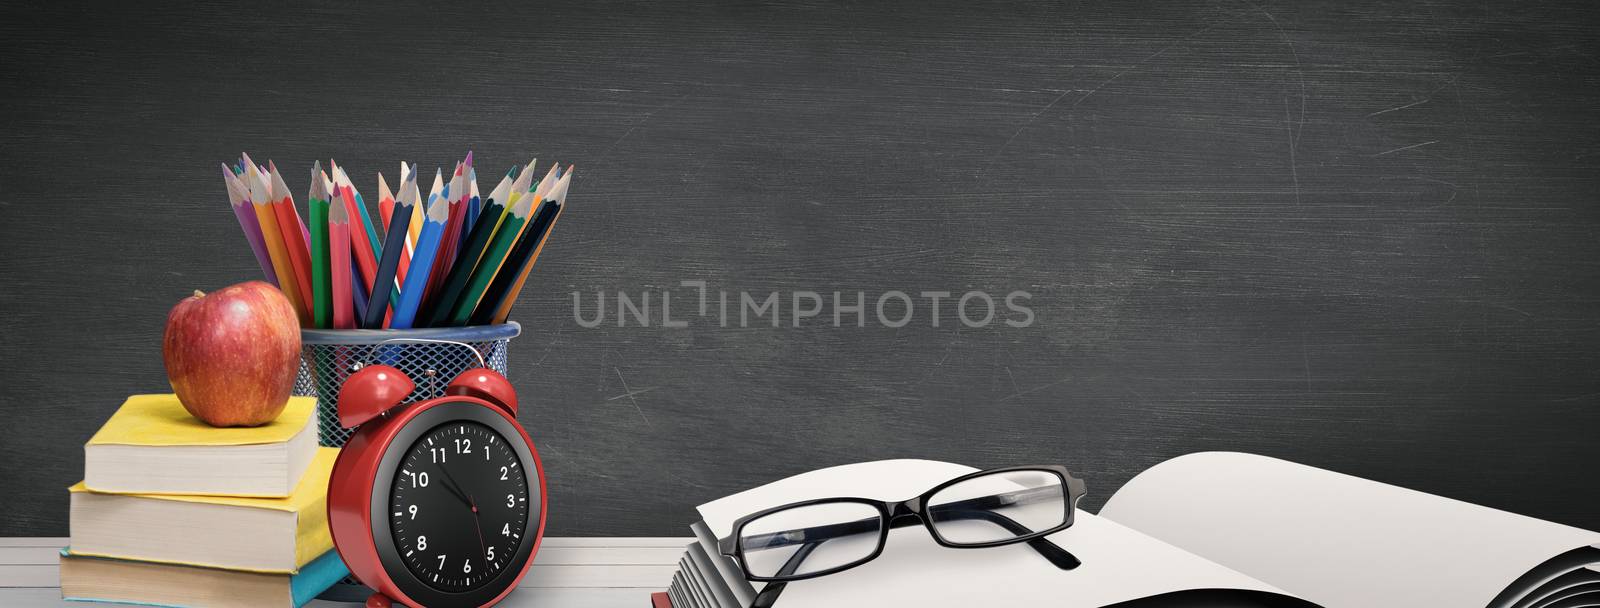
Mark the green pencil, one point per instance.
(495, 255)
(321, 276)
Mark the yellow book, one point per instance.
(232, 532)
(151, 445)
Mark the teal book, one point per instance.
(99, 579)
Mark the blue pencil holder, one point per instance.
(430, 357)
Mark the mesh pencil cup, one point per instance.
(430, 357)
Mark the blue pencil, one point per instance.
(394, 243)
(474, 203)
(405, 311)
(358, 292)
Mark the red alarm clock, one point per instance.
(439, 503)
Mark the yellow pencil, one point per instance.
(415, 229)
(270, 232)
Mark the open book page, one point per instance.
(1119, 564)
(1347, 542)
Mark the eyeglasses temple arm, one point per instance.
(1062, 558)
(769, 594)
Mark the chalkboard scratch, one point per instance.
(1398, 108)
(629, 393)
(1404, 148)
(1037, 388)
(1294, 165)
(1300, 77)
(639, 123)
(563, 459)
(550, 345)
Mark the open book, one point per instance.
(1206, 530)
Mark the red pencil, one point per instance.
(293, 240)
(339, 265)
(365, 261)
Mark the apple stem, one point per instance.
(199, 294)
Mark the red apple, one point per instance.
(232, 355)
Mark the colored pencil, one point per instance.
(520, 186)
(438, 269)
(367, 225)
(394, 243)
(473, 202)
(343, 302)
(320, 261)
(507, 284)
(476, 242)
(362, 249)
(500, 198)
(385, 214)
(385, 202)
(294, 241)
(358, 293)
(244, 211)
(321, 275)
(449, 244)
(500, 310)
(504, 238)
(405, 310)
(271, 235)
(416, 210)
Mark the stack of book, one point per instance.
(172, 512)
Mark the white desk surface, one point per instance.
(575, 572)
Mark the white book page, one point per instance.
(1119, 564)
(1334, 539)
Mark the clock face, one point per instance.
(458, 506)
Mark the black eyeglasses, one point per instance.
(989, 508)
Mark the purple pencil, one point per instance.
(239, 199)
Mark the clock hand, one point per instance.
(455, 488)
(477, 523)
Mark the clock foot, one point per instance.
(379, 600)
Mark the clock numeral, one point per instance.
(422, 543)
(486, 453)
(439, 454)
(441, 561)
(413, 510)
(505, 530)
(463, 446)
(511, 501)
(503, 472)
(466, 565)
(418, 480)
(491, 553)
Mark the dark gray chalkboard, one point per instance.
(1363, 236)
